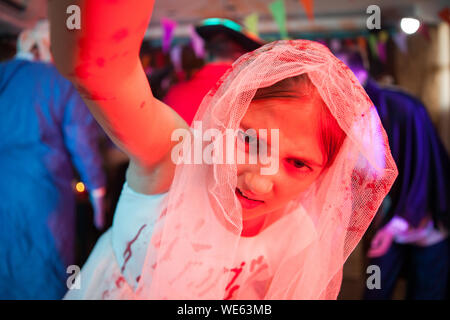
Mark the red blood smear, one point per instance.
(237, 272)
(358, 177)
(180, 200)
(88, 95)
(255, 262)
(199, 225)
(198, 246)
(97, 97)
(163, 213)
(208, 277)
(230, 294)
(371, 186)
(169, 250)
(85, 48)
(260, 287)
(82, 71)
(119, 282)
(138, 278)
(355, 229)
(127, 253)
(157, 243)
(264, 266)
(119, 35)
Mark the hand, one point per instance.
(98, 205)
(381, 243)
(99, 213)
(99, 219)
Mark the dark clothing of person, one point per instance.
(44, 128)
(423, 183)
(421, 190)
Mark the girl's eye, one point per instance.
(251, 144)
(246, 137)
(297, 163)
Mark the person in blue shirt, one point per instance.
(415, 216)
(45, 131)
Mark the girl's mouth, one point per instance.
(246, 202)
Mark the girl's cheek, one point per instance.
(289, 189)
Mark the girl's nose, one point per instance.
(257, 184)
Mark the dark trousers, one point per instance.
(426, 271)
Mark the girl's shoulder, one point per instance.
(135, 210)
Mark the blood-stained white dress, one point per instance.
(114, 267)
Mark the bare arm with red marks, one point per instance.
(102, 61)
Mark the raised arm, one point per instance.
(102, 61)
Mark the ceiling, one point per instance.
(329, 14)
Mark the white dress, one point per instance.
(113, 269)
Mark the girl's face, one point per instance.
(300, 157)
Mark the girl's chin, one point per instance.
(251, 214)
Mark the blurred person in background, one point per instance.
(45, 128)
(158, 68)
(414, 218)
(225, 41)
(185, 61)
(7, 46)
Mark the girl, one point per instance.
(226, 231)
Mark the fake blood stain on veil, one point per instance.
(255, 262)
(198, 246)
(259, 285)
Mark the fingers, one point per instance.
(99, 220)
(99, 214)
(380, 244)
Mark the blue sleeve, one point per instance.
(81, 137)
